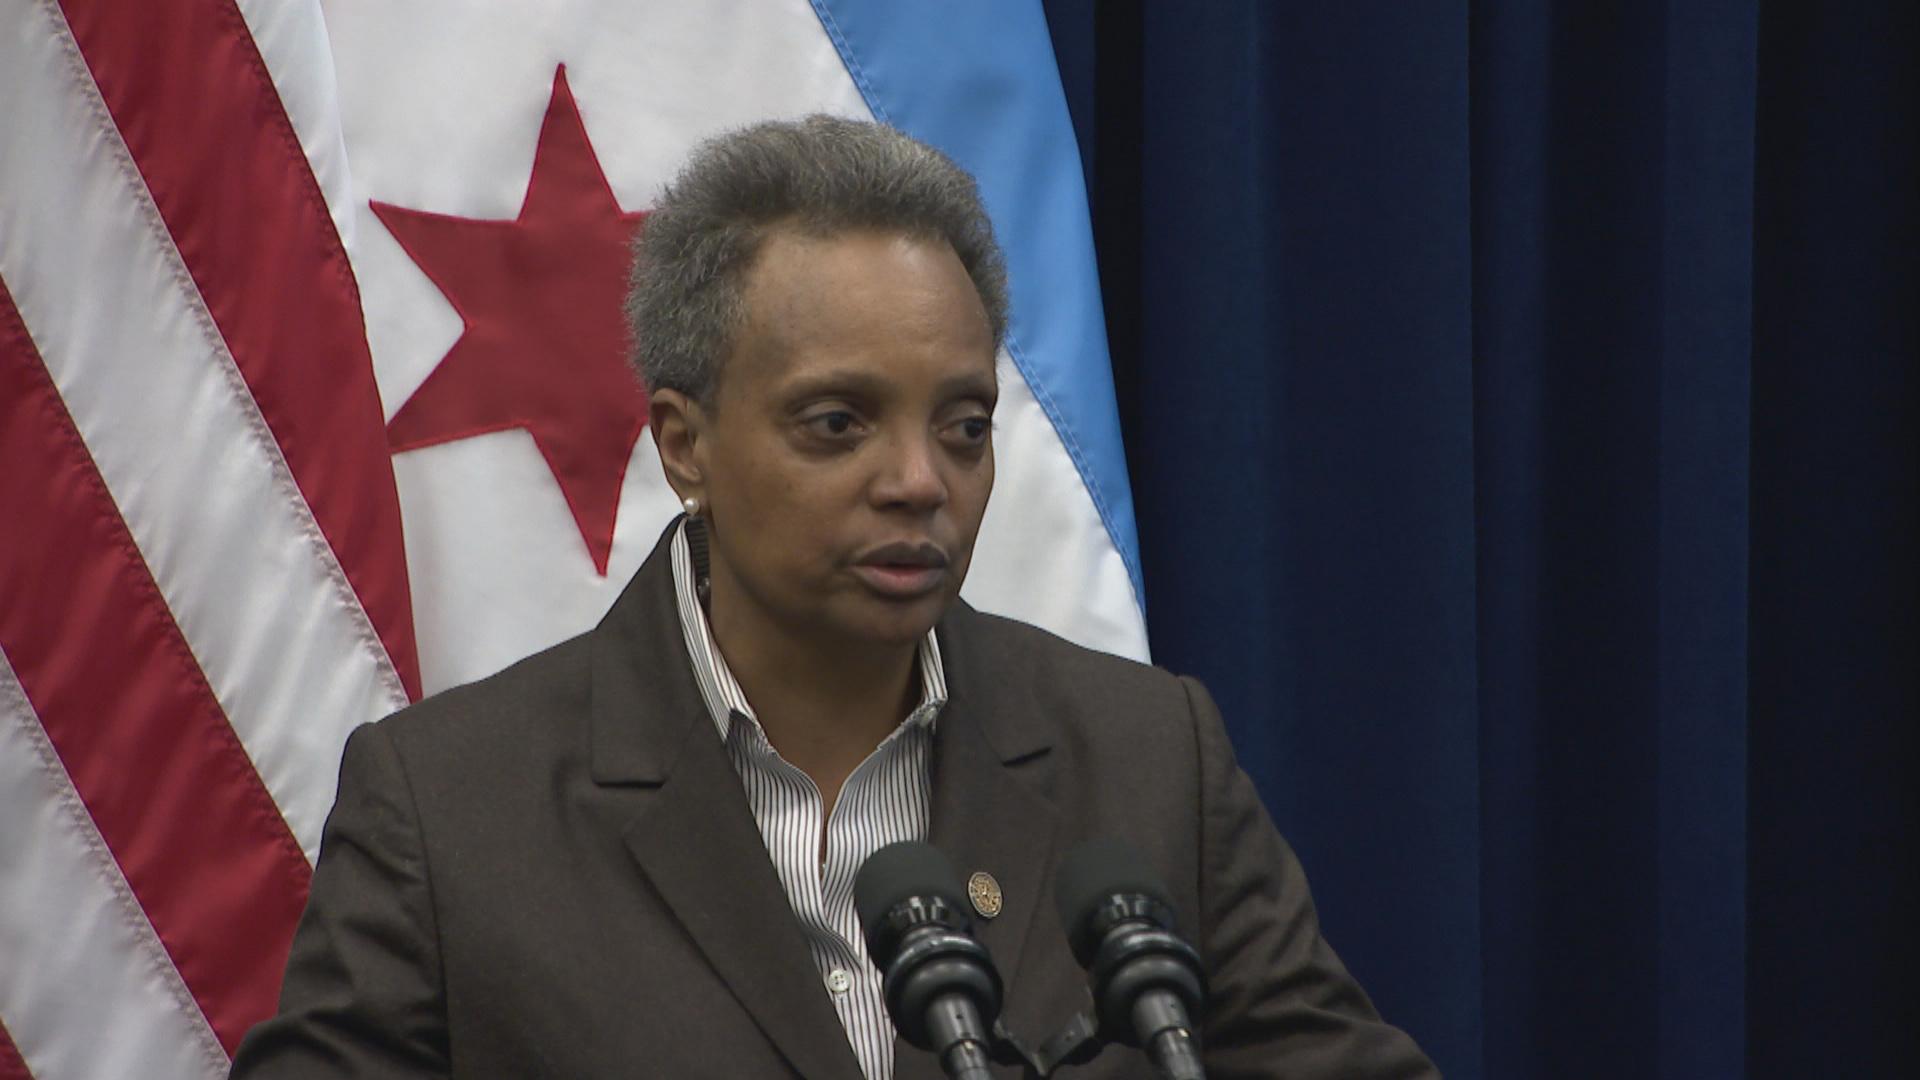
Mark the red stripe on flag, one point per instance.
(193, 99)
(12, 1066)
(127, 707)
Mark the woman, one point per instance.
(561, 870)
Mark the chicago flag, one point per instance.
(313, 401)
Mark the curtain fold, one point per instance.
(1520, 404)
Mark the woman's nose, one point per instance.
(910, 475)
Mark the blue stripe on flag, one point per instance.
(978, 81)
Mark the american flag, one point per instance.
(300, 418)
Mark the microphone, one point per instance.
(940, 984)
(1147, 982)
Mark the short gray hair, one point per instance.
(823, 176)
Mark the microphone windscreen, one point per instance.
(1087, 876)
(900, 871)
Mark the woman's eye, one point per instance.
(837, 423)
(971, 431)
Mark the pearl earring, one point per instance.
(691, 505)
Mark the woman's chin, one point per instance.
(890, 623)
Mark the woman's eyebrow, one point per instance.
(866, 384)
(970, 384)
(835, 381)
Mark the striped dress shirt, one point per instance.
(884, 800)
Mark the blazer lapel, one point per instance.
(990, 756)
(706, 858)
(693, 835)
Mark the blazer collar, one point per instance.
(692, 833)
(644, 697)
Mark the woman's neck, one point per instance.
(824, 704)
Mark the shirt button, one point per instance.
(839, 981)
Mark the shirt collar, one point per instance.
(718, 687)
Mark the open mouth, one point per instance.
(903, 570)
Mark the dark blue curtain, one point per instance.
(1520, 401)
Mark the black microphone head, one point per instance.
(1084, 887)
(893, 877)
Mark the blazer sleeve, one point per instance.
(1280, 1003)
(363, 991)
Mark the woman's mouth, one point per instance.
(903, 571)
(901, 582)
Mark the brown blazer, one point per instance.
(553, 873)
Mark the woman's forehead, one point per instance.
(877, 306)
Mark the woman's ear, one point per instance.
(679, 430)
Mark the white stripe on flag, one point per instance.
(1043, 555)
(86, 989)
(177, 437)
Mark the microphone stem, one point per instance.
(966, 1060)
(954, 1022)
(1172, 1051)
(1161, 1019)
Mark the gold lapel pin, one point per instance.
(985, 894)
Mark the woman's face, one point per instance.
(848, 458)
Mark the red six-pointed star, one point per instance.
(544, 343)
